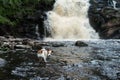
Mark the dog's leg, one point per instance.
(44, 59)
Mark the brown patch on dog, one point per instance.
(40, 52)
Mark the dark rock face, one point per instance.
(105, 18)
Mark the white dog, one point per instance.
(44, 53)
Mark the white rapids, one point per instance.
(69, 20)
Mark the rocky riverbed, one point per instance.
(71, 60)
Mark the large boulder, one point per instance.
(80, 44)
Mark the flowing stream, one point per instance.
(100, 60)
(37, 32)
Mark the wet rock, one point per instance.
(39, 78)
(20, 43)
(2, 62)
(2, 38)
(61, 78)
(22, 47)
(109, 69)
(41, 44)
(81, 44)
(16, 40)
(25, 41)
(97, 61)
(118, 75)
(57, 44)
(5, 44)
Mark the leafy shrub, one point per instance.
(11, 11)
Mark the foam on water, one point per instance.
(69, 20)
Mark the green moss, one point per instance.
(5, 20)
(11, 11)
(4, 49)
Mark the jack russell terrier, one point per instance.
(44, 53)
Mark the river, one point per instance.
(99, 60)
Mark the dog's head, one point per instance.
(49, 51)
(43, 50)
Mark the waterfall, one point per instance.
(114, 4)
(69, 20)
(37, 32)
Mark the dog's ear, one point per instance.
(49, 50)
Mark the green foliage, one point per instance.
(5, 20)
(46, 1)
(11, 11)
(4, 48)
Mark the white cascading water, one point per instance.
(37, 32)
(69, 20)
(114, 4)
